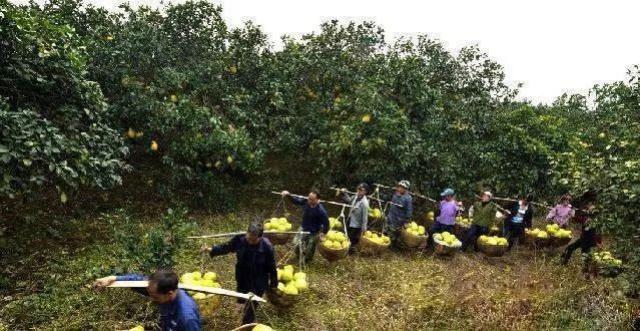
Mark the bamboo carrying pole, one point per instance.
(417, 195)
(322, 201)
(232, 234)
(211, 290)
(535, 203)
(370, 196)
(497, 206)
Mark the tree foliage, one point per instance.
(604, 159)
(54, 128)
(342, 101)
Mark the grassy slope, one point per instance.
(50, 256)
(396, 291)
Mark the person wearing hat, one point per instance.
(448, 212)
(399, 212)
(519, 218)
(484, 216)
(358, 215)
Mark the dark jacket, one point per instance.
(314, 219)
(256, 264)
(181, 314)
(527, 220)
(399, 216)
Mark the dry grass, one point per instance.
(524, 290)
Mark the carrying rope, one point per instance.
(281, 206)
(203, 257)
(343, 218)
(249, 305)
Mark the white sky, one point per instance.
(552, 46)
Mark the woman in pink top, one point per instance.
(562, 212)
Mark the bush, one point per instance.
(146, 251)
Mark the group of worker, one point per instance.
(255, 269)
(485, 213)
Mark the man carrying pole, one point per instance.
(178, 311)
(315, 220)
(358, 215)
(255, 267)
(399, 212)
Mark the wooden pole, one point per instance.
(497, 206)
(322, 201)
(417, 195)
(233, 234)
(211, 290)
(370, 196)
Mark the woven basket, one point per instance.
(332, 255)
(368, 247)
(442, 249)
(536, 242)
(559, 242)
(412, 241)
(280, 299)
(279, 238)
(492, 250)
(460, 231)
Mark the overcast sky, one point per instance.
(550, 46)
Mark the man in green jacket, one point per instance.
(483, 213)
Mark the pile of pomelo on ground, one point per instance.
(493, 240)
(415, 229)
(335, 240)
(278, 224)
(447, 239)
(376, 238)
(291, 282)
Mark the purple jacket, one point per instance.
(448, 210)
(561, 214)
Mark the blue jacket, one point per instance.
(181, 314)
(398, 216)
(314, 219)
(255, 266)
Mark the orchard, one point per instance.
(123, 133)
